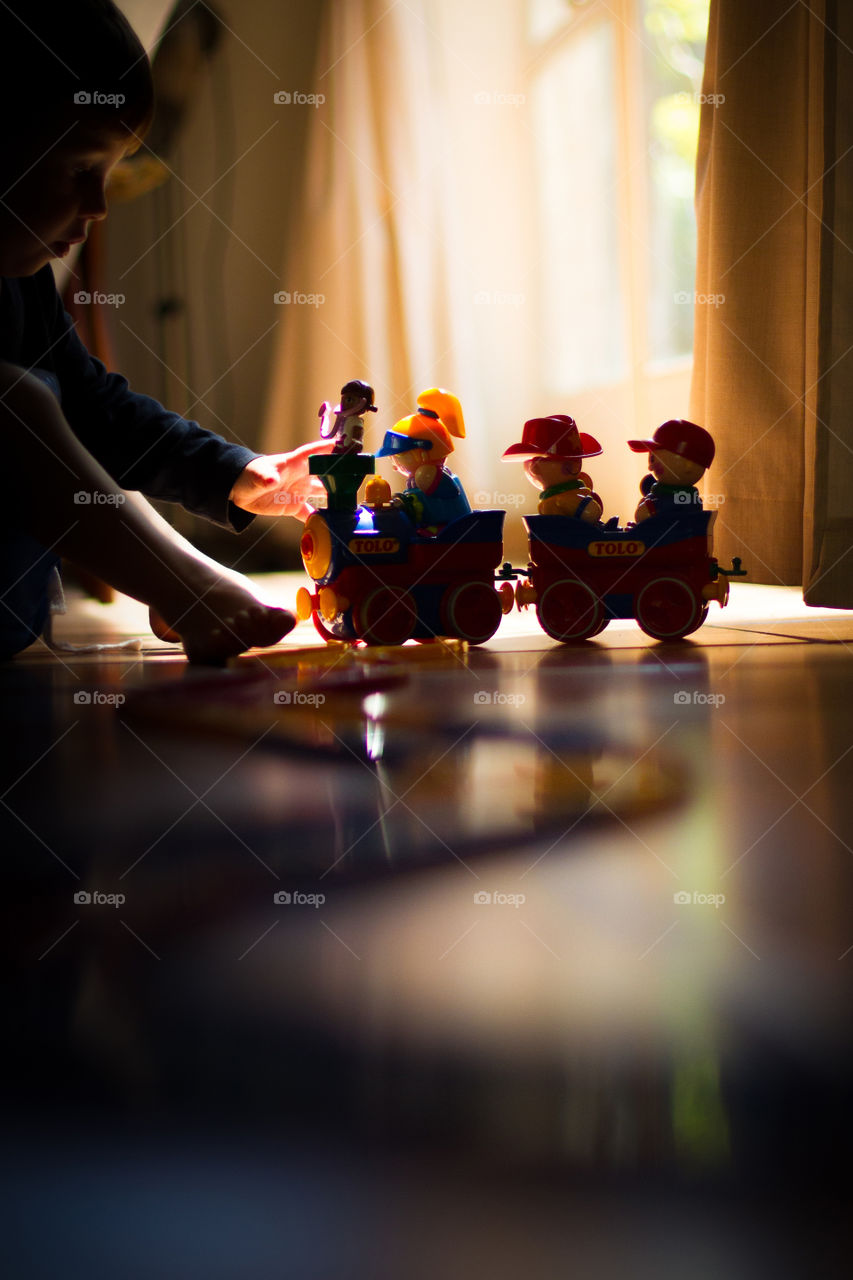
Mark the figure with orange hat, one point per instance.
(553, 449)
(679, 454)
(418, 446)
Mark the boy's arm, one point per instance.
(140, 443)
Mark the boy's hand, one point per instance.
(278, 484)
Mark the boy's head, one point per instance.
(76, 95)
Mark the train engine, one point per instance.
(377, 579)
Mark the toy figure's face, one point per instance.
(543, 472)
(352, 402)
(407, 463)
(670, 468)
(49, 208)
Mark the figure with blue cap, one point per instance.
(418, 446)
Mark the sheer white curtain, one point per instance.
(472, 213)
(411, 235)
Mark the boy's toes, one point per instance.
(270, 624)
(250, 628)
(161, 628)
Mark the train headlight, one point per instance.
(316, 546)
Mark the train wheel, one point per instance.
(569, 610)
(322, 629)
(668, 609)
(386, 616)
(304, 604)
(471, 611)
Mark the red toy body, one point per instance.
(661, 573)
(377, 579)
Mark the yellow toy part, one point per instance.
(448, 408)
(377, 492)
(316, 546)
(304, 604)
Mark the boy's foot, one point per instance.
(224, 619)
(161, 628)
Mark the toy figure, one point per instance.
(418, 446)
(679, 453)
(348, 424)
(554, 448)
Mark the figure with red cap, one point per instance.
(554, 449)
(679, 454)
(418, 446)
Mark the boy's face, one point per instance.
(59, 192)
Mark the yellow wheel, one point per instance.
(316, 546)
(329, 604)
(304, 605)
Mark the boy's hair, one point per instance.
(72, 60)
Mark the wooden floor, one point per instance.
(572, 918)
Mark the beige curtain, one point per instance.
(773, 325)
(409, 216)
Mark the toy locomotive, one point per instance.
(421, 565)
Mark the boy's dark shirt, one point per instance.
(142, 445)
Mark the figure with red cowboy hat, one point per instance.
(418, 446)
(553, 449)
(679, 453)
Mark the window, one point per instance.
(614, 87)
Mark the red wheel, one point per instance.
(668, 609)
(386, 616)
(471, 611)
(569, 610)
(323, 630)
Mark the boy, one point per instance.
(76, 96)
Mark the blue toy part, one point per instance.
(657, 531)
(446, 501)
(395, 442)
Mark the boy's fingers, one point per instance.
(313, 446)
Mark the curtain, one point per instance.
(408, 219)
(774, 275)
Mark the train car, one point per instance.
(660, 572)
(378, 580)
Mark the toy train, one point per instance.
(378, 580)
(661, 572)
